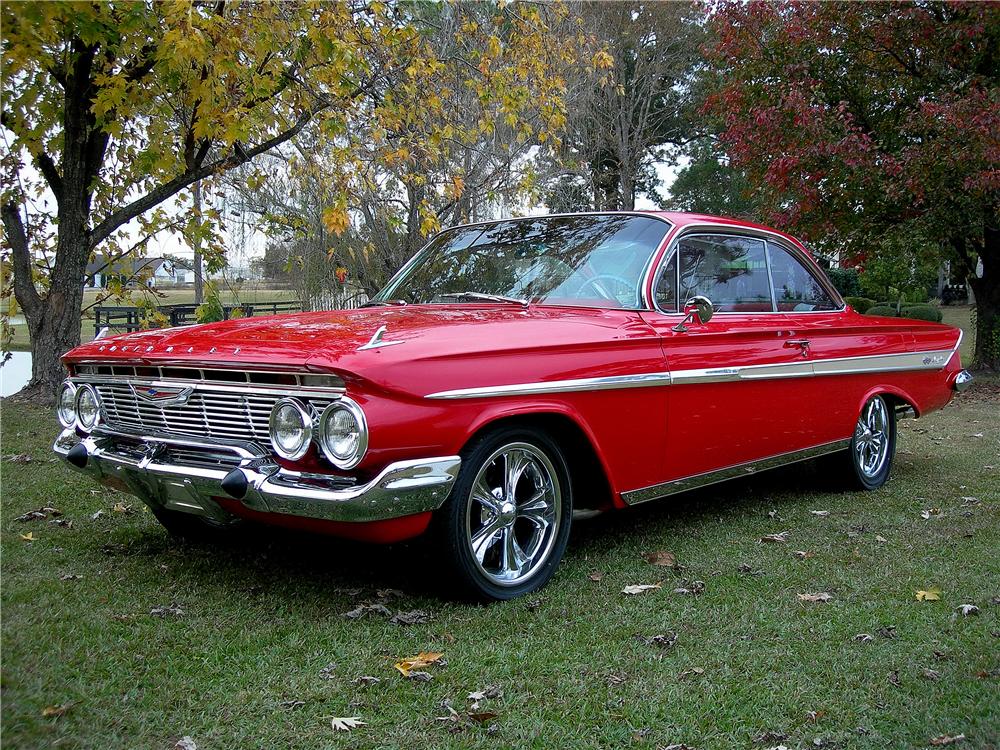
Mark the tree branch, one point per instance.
(24, 285)
(156, 196)
(43, 162)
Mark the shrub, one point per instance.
(861, 304)
(888, 311)
(845, 280)
(922, 312)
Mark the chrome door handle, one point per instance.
(803, 345)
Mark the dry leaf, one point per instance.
(967, 610)
(166, 609)
(418, 676)
(423, 659)
(346, 723)
(894, 678)
(679, 746)
(595, 575)
(97, 515)
(388, 593)
(780, 537)
(185, 743)
(886, 631)
(482, 717)
(640, 588)
(54, 712)
(932, 594)
(692, 672)
(932, 513)
(70, 577)
(489, 692)
(328, 672)
(367, 680)
(863, 638)
(820, 513)
(413, 617)
(803, 555)
(948, 739)
(822, 596)
(664, 640)
(367, 609)
(29, 537)
(930, 674)
(122, 508)
(291, 705)
(19, 458)
(691, 588)
(880, 539)
(663, 559)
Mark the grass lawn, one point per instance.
(22, 343)
(258, 652)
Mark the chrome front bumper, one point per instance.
(186, 474)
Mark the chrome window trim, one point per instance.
(870, 363)
(704, 227)
(747, 468)
(644, 277)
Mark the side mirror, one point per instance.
(699, 309)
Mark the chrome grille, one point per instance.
(226, 414)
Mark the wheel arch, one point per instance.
(897, 397)
(589, 472)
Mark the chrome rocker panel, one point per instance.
(137, 463)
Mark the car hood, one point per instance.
(336, 340)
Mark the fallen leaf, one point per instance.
(967, 610)
(773, 515)
(368, 609)
(418, 676)
(930, 674)
(821, 596)
(880, 539)
(968, 501)
(165, 610)
(63, 522)
(122, 508)
(54, 712)
(19, 458)
(691, 672)
(367, 680)
(413, 617)
(388, 593)
(774, 538)
(482, 717)
(70, 577)
(423, 659)
(820, 513)
(932, 513)
(863, 638)
(680, 746)
(185, 743)
(97, 515)
(595, 575)
(815, 716)
(932, 594)
(894, 678)
(990, 674)
(663, 559)
(948, 739)
(291, 705)
(346, 723)
(328, 672)
(640, 588)
(532, 605)
(692, 588)
(766, 737)
(40, 513)
(347, 592)
(664, 640)
(886, 631)
(489, 692)
(29, 537)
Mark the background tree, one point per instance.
(710, 184)
(869, 127)
(619, 123)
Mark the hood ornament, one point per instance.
(376, 342)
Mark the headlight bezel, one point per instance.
(307, 428)
(354, 409)
(81, 391)
(68, 385)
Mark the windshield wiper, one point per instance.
(379, 303)
(483, 295)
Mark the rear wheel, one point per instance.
(506, 523)
(873, 445)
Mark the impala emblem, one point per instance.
(163, 395)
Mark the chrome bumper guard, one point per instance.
(962, 381)
(186, 474)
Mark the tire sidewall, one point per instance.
(452, 521)
(873, 483)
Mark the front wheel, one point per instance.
(873, 445)
(507, 521)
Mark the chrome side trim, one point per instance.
(614, 382)
(932, 360)
(665, 489)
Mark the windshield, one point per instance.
(591, 260)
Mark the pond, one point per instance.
(15, 374)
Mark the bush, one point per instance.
(845, 280)
(922, 312)
(888, 311)
(861, 304)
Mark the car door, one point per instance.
(735, 394)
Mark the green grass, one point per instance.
(22, 343)
(262, 616)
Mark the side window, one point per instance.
(730, 271)
(795, 288)
(665, 291)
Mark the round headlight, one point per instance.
(66, 405)
(343, 433)
(88, 408)
(291, 428)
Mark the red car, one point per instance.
(512, 374)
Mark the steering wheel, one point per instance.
(624, 294)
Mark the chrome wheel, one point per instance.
(871, 438)
(513, 513)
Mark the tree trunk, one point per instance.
(199, 280)
(987, 289)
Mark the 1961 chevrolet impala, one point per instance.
(512, 374)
